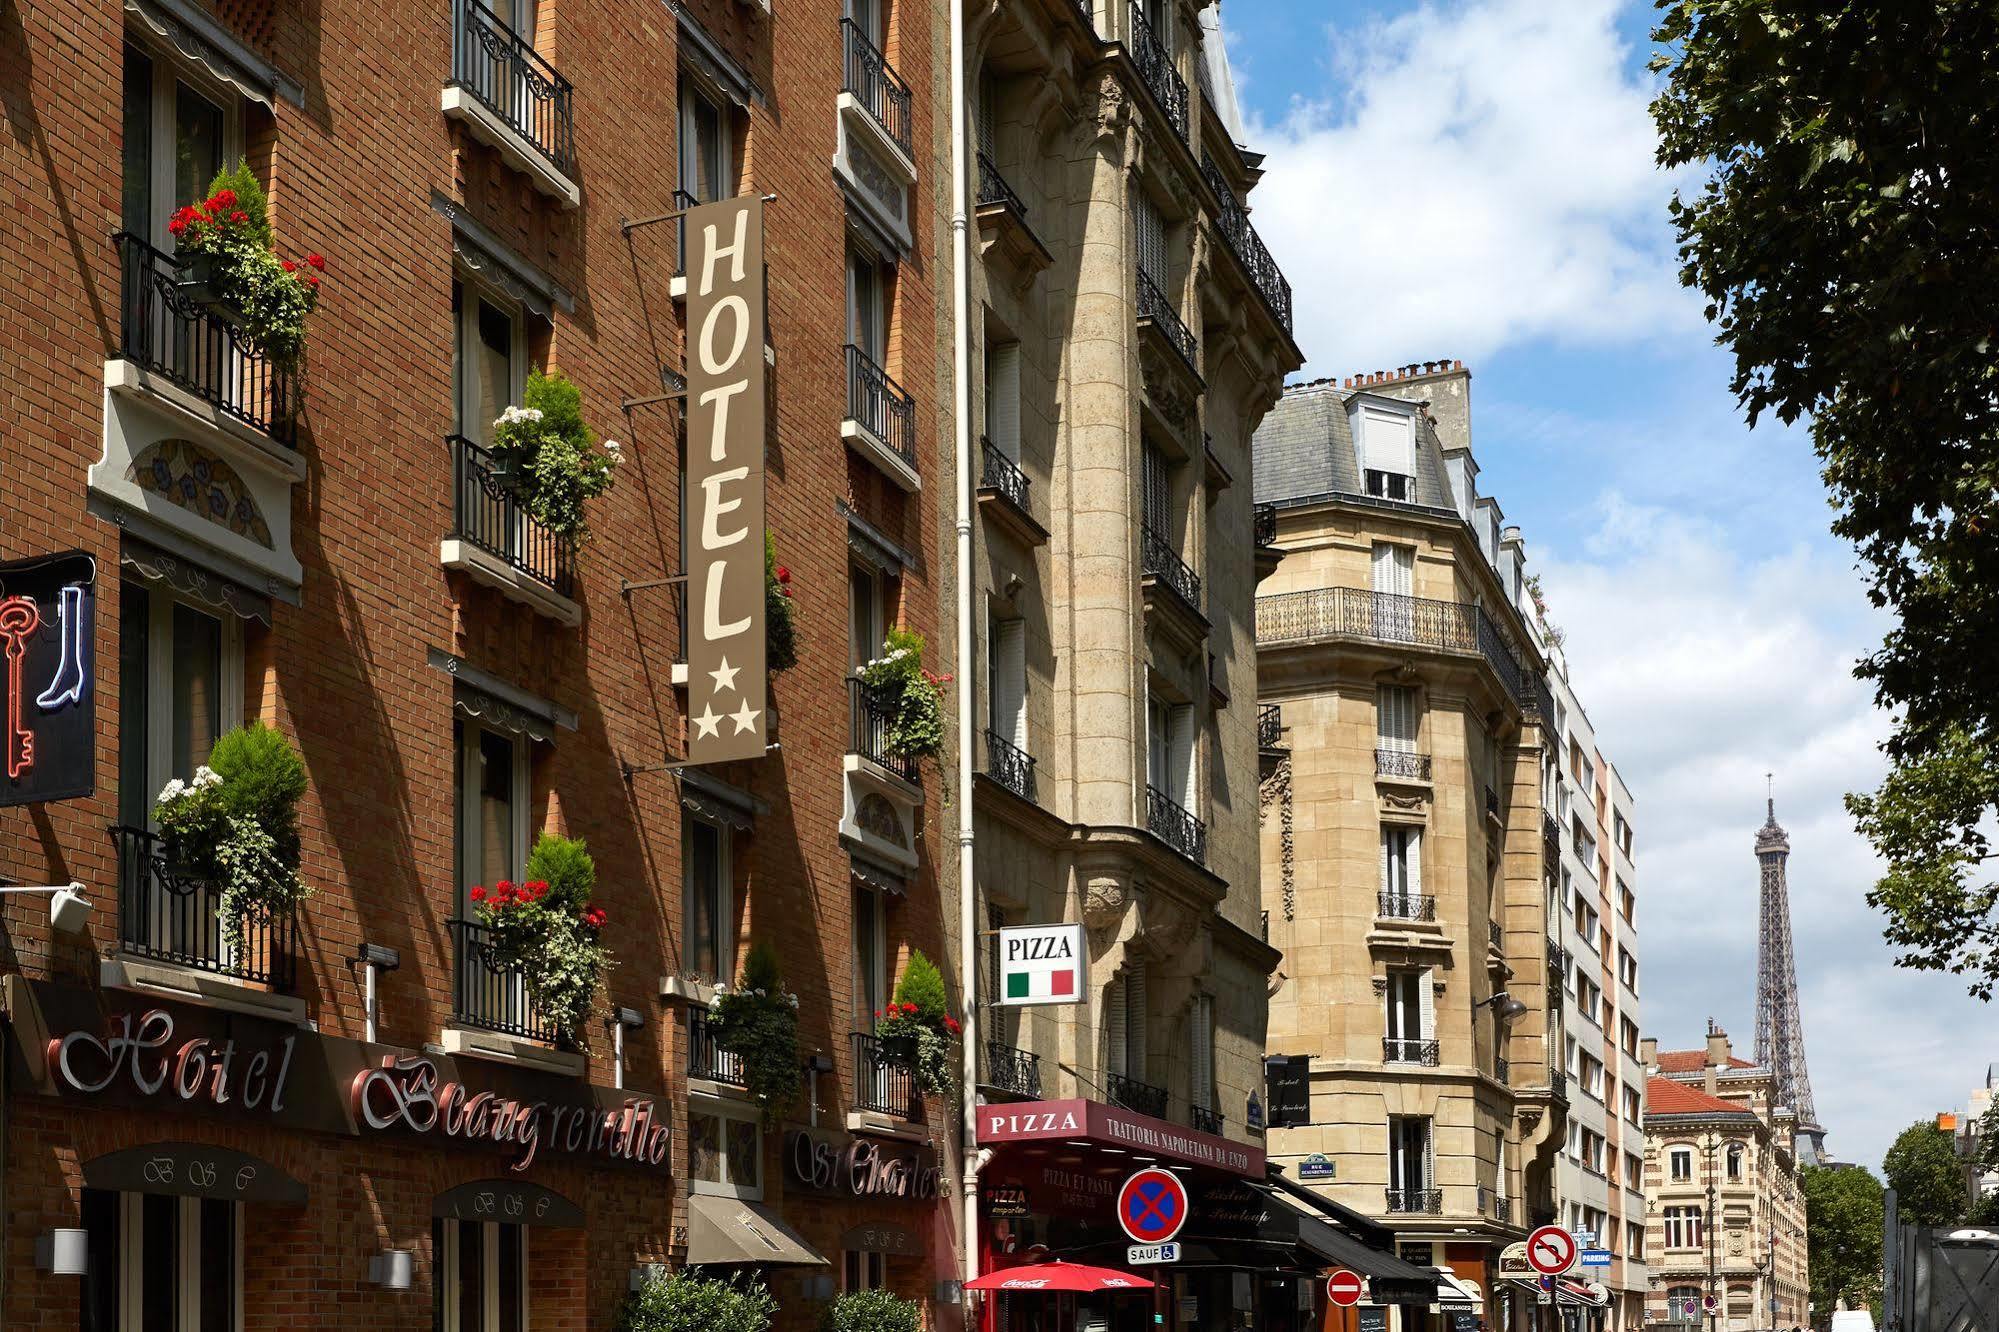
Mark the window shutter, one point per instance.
(1426, 1004)
(1395, 718)
(1387, 442)
(1114, 1019)
(1155, 507)
(1201, 1093)
(1151, 239)
(986, 98)
(1134, 1021)
(1387, 862)
(1394, 568)
(1429, 1154)
(1009, 681)
(1181, 771)
(1003, 398)
(1414, 852)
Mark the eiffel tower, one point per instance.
(1780, 1033)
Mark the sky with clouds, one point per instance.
(1475, 180)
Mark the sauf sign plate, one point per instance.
(727, 707)
(1041, 964)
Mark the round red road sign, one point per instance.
(1152, 1206)
(1343, 1288)
(1551, 1251)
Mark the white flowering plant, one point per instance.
(913, 696)
(548, 460)
(758, 1021)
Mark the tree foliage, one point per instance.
(1928, 1178)
(1843, 1218)
(1843, 233)
(685, 1302)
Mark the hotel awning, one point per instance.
(733, 1230)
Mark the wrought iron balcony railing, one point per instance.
(1502, 1070)
(1014, 1072)
(872, 717)
(1558, 958)
(197, 346)
(1495, 936)
(1204, 1120)
(1140, 1097)
(1405, 1050)
(879, 405)
(1003, 476)
(1403, 763)
(1155, 70)
(1153, 305)
(490, 994)
(1502, 1210)
(879, 1085)
(484, 513)
(1405, 906)
(498, 67)
(1558, 1084)
(1263, 525)
(1429, 1201)
(1551, 834)
(1009, 765)
(1175, 826)
(1159, 559)
(1270, 726)
(1087, 14)
(1491, 803)
(172, 917)
(876, 86)
(705, 1059)
(1248, 247)
(1388, 617)
(993, 189)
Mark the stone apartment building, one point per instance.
(1592, 908)
(330, 552)
(1725, 1209)
(1405, 863)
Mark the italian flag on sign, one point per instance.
(1041, 964)
(1042, 981)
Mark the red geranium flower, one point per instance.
(478, 893)
(312, 279)
(222, 199)
(287, 265)
(316, 260)
(951, 1025)
(240, 218)
(783, 574)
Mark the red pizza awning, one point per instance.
(1083, 1121)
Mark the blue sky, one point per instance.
(1474, 179)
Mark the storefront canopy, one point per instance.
(1058, 1276)
(1390, 1279)
(731, 1230)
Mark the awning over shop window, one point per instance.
(192, 1170)
(735, 1230)
(509, 1200)
(1390, 1279)
(1456, 1293)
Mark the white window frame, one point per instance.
(689, 91)
(187, 1278)
(1170, 757)
(1385, 443)
(728, 1111)
(168, 70)
(1676, 1158)
(1396, 718)
(724, 891)
(1393, 569)
(488, 1235)
(869, 618)
(1006, 694)
(1402, 859)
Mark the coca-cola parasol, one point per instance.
(1058, 1276)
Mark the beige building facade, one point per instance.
(1403, 849)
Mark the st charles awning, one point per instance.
(731, 1230)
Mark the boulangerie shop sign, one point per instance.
(727, 707)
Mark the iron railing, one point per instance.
(1558, 958)
(1403, 763)
(706, 1059)
(872, 717)
(1263, 525)
(993, 189)
(1158, 559)
(1551, 834)
(1558, 1084)
(1248, 247)
(1429, 1201)
(1405, 906)
(1141, 1097)
(195, 345)
(876, 86)
(1491, 804)
(171, 916)
(1389, 617)
(1502, 1210)
(1204, 1120)
(1502, 1070)
(1270, 726)
(881, 1083)
(1495, 936)
(879, 405)
(1153, 305)
(1408, 1050)
(1156, 72)
(1175, 826)
(498, 66)
(490, 994)
(1085, 12)
(485, 513)
(1009, 765)
(1014, 1072)
(1002, 475)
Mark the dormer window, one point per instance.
(1385, 440)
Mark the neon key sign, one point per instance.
(47, 616)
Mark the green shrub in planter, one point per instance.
(871, 1311)
(685, 1302)
(757, 1020)
(916, 1032)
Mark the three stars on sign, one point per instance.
(708, 722)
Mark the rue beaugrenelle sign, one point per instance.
(727, 708)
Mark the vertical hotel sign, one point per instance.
(728, 712)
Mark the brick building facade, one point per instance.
(329, 553)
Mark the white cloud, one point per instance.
(1485, 176)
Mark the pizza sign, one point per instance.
(1041, 964)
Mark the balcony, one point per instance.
(1160, 562)
(1004, 494)
(1492, 1204)
(1502, 1071)
(1203, 1120)
(1558, 958)
(707, 1060)
(876, 88)
(1012, 1072)
(168, 917)
(1175, 826)
(1248, 248)
(879, 1087)
(1405, 1050)
(1156, 312)
(881, 419)
(489, 995)
(1495, 936)
(1156, 72)
(1551, 835)
(1412, 1201)
(512, 100)
(1263, 525)
(1270, 727)
(1401, 765)
(994, 192)
(493, 540)
(1388, 617)
(1139, 1097)
(1010, 765)
(1405, 906)
(871, 717)
(1558, 1084)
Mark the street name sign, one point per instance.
(1139, 1255)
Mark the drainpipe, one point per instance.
(961, 441)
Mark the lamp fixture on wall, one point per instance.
(63, 1252)
(1504, 1005)
(68, 907)
(392, 1269)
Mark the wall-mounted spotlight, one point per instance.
(374, 958)
(392, 1269)
(63, 1252)
(68, 907)
(619, 1020)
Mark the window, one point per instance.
(492, 806)
(1585, 844)
(870, 953)
(161, 1263)
(1409, 1165)
(177, 137)
(1627, 969)
(1634, 1241)
(1681, 1167)
(1394, 569)
(1156, 494)
(1006, 692)
(184, 669)
(1634, 1172)
(1125, 1006)
(1170, 750)
(1630, 1032)
(1592, 1076)
(1589, 997)
(489, 358)
(1003, 398)
(867, 302)
(1151, 231)
(871, 596)
(1735, 1159)
(724, 1151)
(1395, 718)
(1683, 1227)
(1410, 1016)
(1586, 921)
(1633, 1110)
(710, 899)
(481, 1276)
(1627, 902)
(1387, 441)
(706, 170)
(862, 1269)
(1401, 860)
(1592, 1151)
(1201, 1052)
(867, 16)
